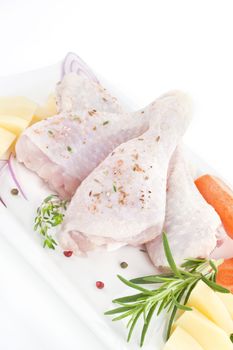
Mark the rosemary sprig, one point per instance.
(49, 214)
(172, 292)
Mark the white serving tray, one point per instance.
(73, 279)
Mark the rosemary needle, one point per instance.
(172, 292)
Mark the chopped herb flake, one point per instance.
(106, 122)
(114, 188)
(69, 149)
(77, 118)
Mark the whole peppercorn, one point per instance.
(14, 191)
(123, 265)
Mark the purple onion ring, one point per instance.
(74, 64)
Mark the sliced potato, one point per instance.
(6, 140)
(13, 124)
(182, 340)
(48, 110)
(227, 299)
(206, 332)
(205, 300)
(51, 105)
(16, 114)
(18, 106)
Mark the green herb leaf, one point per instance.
(118, 310)
(124, 315)
(214, 285)
(49, 214)
(129, 299)
(214, 267)
(180, 306)
(146, 324)
(169, 256)
(132, 285)
(153, 279)
(189, 291)
(192, 262)
(134, 321)
(173, 315)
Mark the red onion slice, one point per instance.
(11, 169)
(2, 201)
(74, 64)
(3, 163)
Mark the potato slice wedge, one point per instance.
(182, 340)
(16, 125)
(18, 106)
(46, 111)
(6, 140)
(205, 300)
(227, 300)
(206, 332)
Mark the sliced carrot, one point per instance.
(225, 274)
(220, 196)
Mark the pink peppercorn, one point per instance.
(68, 253)
(99, 284)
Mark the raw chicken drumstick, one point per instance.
(123, 200)
(191, 224)
(65, 148)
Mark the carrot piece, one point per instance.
(225, 274)
(220, 196)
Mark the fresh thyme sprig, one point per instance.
(49, 214)
(172, 293)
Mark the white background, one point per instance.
(144, 48)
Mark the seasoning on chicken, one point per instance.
(65, 148)
(77, 92)
(123, 200)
